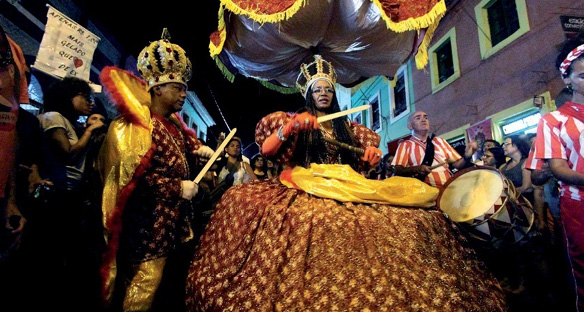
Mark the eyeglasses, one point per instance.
(506, 143)
(319, 90)
(87, 97)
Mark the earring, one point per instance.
(569, 87)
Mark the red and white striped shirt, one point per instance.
(411, 152)
(533, 162)
(560, 136)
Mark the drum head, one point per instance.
(470, 193)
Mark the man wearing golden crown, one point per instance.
(148, 158)
(322, 237)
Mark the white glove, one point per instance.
(188, 189)
(204, 151)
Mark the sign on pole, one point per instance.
(67, 48)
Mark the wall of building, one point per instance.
(497, 87)
(510, 77)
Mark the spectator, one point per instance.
(493, 157)
(517, 150)
(259, 164)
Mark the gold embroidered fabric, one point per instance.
(342, 183)
(140, 293)
(268, 247)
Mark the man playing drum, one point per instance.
(428, 158)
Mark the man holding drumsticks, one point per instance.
(428, 158)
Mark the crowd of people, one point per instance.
(107, 214)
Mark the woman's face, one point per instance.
(509, 148)
(322, 93)
(488, 159)
(576, 77)
(83, 104)
(259, 163)
(234, 148)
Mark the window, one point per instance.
(526, 123)
(500, 22)
(358, 117)
(503, 19)
(186, 119)
(444, 61)
(374, 121)
(399, 95)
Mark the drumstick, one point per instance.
(342, 113)
(354, 149)
(441, 164)
(214, 156)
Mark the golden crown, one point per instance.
(316, 70)
(163, 62)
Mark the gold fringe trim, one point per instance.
(263, 18)
(429, 21)
(422, 57)
(224, 70)
(283, 90)
(436, 13)
(213, 49)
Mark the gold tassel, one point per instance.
(263, 18)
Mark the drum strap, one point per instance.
(429, 151)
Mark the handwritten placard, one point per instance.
(67, 48)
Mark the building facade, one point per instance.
(491, 71)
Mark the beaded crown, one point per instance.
(318, 69)
(163, 62)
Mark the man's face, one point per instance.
(173, 95)
(419, 121)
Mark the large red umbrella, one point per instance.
(269, 39)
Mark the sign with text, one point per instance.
(572, 23)
(67, 48)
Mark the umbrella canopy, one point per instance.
(269, 39)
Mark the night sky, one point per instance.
(134, 24)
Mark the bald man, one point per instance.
(428, 158)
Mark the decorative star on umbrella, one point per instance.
(269, 39)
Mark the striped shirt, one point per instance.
(560, 136)
(411, 152)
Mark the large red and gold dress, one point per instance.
(269, 247)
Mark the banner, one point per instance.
(67, 48)
(480, 132)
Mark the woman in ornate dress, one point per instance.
(325, 238)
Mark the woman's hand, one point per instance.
(301, 122)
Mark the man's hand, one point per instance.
(470, 149)
(188, 189)
(204, 151)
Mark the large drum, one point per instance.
(486, 206)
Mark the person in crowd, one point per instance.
(233, 169)
(260, 167)
(11, 91)
(149, 203)
(322, 237)
(559, 143)
(272, 169)
(385, 166)
(64, 146)
(493, 157)
(517, 150)
(428, 157)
